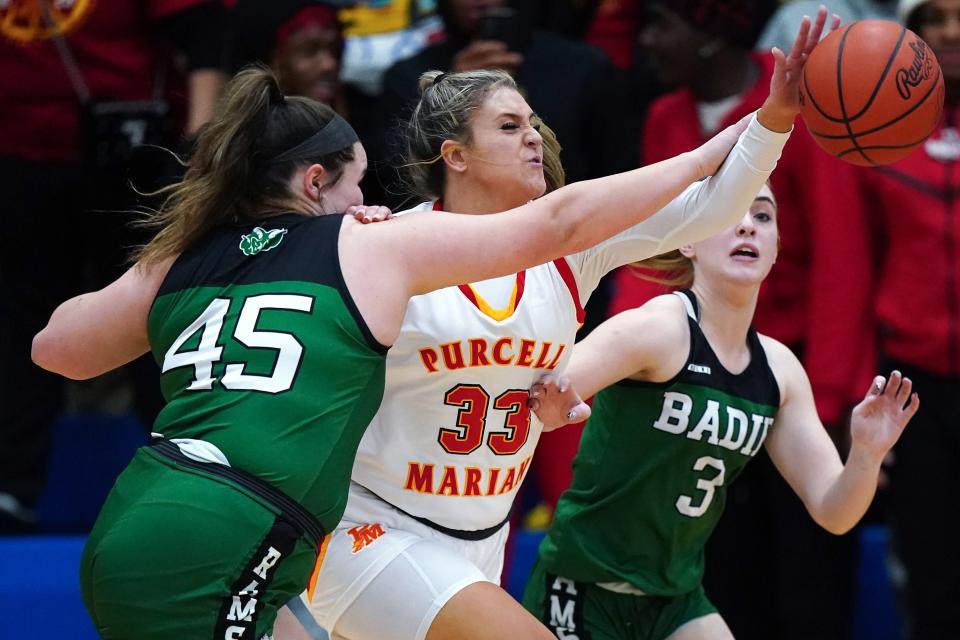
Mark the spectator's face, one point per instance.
(308, 63)
(939, 25)
(744, 253)
(466, 13)
(672, 44)
(345, 192)
(505, 155)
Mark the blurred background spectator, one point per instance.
(378, 34)
(300, 40)
(913, 206)
(81, 84)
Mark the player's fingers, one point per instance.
(563, 384)
(913, 406)
(893, 384)
(903, 394)
(816, 29)
(362, 213)
(536, 390)
(547, 381)
(533, 404)
(379, 213)
(834, 23)
(579, 413)
(779, 58)
(801, 40)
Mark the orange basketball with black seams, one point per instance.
(871, 92)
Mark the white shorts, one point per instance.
(385, 576)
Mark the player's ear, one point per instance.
(452, 153)
(314, 178)
(687, 251)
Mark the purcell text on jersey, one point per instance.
(480, 352)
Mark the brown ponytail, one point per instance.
(234, 172)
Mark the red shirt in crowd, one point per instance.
(115, 46)
(915, 209)
(816, 298)
(615, 28)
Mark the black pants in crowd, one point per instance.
(64, 232)
(925, 506)
(774, 573)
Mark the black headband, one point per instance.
(336, 135)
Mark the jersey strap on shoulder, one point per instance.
(689, 303)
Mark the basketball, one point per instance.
(871, 92)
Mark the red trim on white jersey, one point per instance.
(567, 274)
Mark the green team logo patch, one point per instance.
(260, 240)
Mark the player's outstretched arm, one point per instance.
(709, 206)
(836, 494)
(649, 343)
(96, 332)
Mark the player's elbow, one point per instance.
(837, 524)
(49, 352)
(837, 529)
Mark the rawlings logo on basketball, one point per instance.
(919, 70)
(364, 535)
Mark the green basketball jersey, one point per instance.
(264, 354)
(651, 473)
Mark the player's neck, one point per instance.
(726, 313)
(476, 201)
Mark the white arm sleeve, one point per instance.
(703, 209)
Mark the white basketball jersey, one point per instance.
(453, 438)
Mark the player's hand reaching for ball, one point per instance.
(783, 104)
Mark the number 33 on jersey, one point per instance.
(454, 429)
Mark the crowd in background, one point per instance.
(868, 277)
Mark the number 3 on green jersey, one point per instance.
(708, 486)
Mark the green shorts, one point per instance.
(588, 612)
(179, 554)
